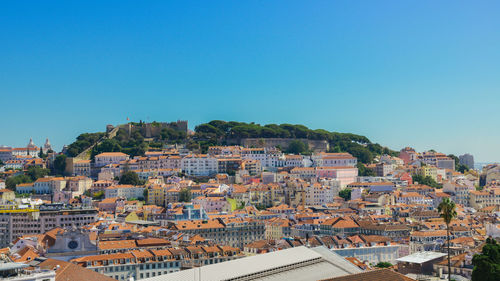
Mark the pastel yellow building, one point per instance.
(428, 171)
(7, 195)
(156, 196)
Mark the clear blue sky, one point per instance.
(419, 73)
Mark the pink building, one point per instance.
(408, 155)
(111, 204)
(345, 175)
(62, 196)
(213, 204)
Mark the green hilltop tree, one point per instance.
(363, 171)
(297, 147)
(218, 132)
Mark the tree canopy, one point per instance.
(133, 145)
(297, 147)
(130, 177)
(383, 264)
(60, 165)
(185, 195)
(83, 142)
(30, 175)
(36, 172)
(447, 210)
(459, 167)
(12, 181)
(345, 193)
(363, 171)
(426, 181)
(218, 132)
(487, 263)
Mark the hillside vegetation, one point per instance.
(218, 132)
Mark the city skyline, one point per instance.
(39, 141)
(400, 74)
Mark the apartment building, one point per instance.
(253, 167)
(16, 222)
(484, 198)
(324, 159)
(278, 228)
(77, 167)
(304, 173)
(317, 194)
(143, 263)
(255, 154)
(460, 193)
(228, 164)
(213, 204)
(291, 160)
(5, 153)
(413, 198)
(235, 232)
(339, 226)
(107, 158)
(124, 190)
(156, 195)
(343, 174)
(199, 165)
(155, 162)
(47, 185)
(428, 171)
(393, 231)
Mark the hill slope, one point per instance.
(219, 132)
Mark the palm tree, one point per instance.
(447, 211)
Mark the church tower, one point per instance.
(31, 144)
(47, 146)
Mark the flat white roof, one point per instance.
(327, 265)
(12, 265)
(421, 257)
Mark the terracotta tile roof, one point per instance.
(162, 252)
(107, 257)
(25, 255)
(199, 224)
(111, 154)
(429, 233)
(119, 244)
(152, 242)
(142, 254)
(357, 263)
(73, 272)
